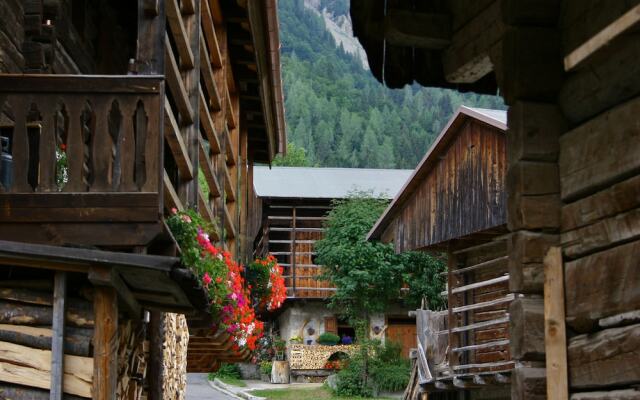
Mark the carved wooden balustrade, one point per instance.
(84, 149)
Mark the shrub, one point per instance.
(329, 338)
(265, 367)
(385, 370)
(226, 371)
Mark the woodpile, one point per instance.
(176, 340)
(133, 356)
(25, 342)
(315, 356)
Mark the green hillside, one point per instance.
(340, 114)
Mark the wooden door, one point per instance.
(331, 325)
(404, 334)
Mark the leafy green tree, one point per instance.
(369, 275)
(296, 157)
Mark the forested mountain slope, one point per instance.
(337, 111)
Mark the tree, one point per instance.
(369, 275)
(296, 157)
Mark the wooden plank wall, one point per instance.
(443, 207)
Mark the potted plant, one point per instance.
(296, 340)
(329, 339)
(280, 345)
(265, 371)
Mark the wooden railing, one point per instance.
(83, 148)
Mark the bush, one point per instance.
(386, 371)
(329, 339)
(226, 371)
(265, 367)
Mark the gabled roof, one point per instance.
(496, 118)
(326, 183)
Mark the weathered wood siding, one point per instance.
(463, 192)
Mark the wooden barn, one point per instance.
(568, 71)
(455, 203)
(109, 113)
(295, 202)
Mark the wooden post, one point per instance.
(156, 355)
(293, 250)
(452, 262)
(57, 336)
(105, 343)
(554, 325)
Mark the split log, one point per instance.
(78, 314)
(14, 392)
(526, 253)
(607, 358)
(612, 76)
(526, 328)
(621, 197)
(625, 394)
(280, 372)
(534, 129)
(528, 383)
(585, 167)
(602, 285)
(77, 341)
(32, 367)
(532, 64)
(604, 233)
(27, 296)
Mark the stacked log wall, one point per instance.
(530, 73)
(599, 169)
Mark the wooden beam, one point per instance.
(602, 38)
(554, 324)
(414, 29)
(176, 86)
(214, 186)
(105, 342)
(176, 144)
(171, 199)
(207, 125)
(476, 285)
(57, 336)
(207, 75)
(109, 276)
(174, 18)
(210, 34)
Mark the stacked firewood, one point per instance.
(133, 354)
(176, 339)
(26, 314)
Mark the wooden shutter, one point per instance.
(331, 325)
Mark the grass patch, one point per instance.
(233, 381)
(318, 393)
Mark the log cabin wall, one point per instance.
(568, 71)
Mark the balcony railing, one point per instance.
(81, 149)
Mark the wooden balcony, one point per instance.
(468, 345)
(110, 130)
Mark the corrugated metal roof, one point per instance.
(326, 183)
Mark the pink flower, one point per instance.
(186, 219)
(174, 210)
(206, 279)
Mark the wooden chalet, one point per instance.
(295, 202)
(109, 113)
(455, 203)
(568, 71)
